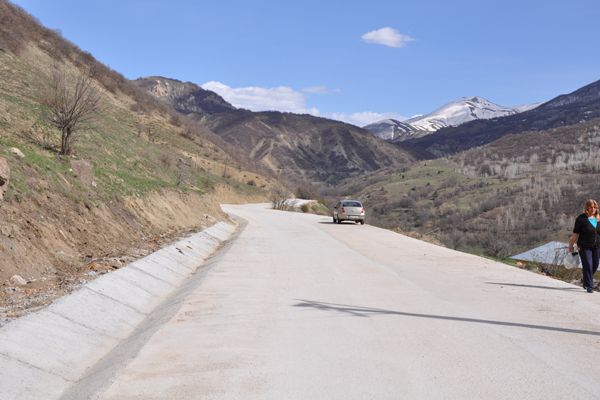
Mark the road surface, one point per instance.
(300, 308)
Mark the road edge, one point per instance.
(45, 353)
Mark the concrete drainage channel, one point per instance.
(72, 348)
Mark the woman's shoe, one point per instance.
(590, 290)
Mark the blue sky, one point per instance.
(353, 60)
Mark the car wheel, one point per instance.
(362, 222)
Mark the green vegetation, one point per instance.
(131, 154)
(496, 200)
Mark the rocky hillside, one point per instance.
(307, 147)
(139, 174)
(186, 97)
(579, 106)
(295, 147)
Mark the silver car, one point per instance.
(349, 210)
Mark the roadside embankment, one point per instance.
(54, 245)
(44, 353)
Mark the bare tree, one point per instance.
(71, 107)
(278, 198)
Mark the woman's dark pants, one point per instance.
(589, 265)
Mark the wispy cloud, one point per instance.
(387, 36)
(364, 118)
(320, 90)
(254, 98)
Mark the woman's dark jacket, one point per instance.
(589, 236)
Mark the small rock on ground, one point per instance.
(17, 280)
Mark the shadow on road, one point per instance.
(359, 311)
(535, 286)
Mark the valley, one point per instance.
(472, 175)
(161, 240)
(497, 200)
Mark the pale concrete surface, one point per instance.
(300, 308)
(47, 352)
(554, 253)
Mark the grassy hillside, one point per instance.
(139, 176)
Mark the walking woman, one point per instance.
(587, 235)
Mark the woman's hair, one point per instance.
(590, 203)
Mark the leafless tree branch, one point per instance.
(71, 107)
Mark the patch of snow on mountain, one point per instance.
(390, 129)
(526, 107)
(460, 111)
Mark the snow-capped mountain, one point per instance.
(452, 114)
(390, 129)
(575, 108)
(460, 111)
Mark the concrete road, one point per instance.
(300, 308)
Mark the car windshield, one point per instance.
(351, 204)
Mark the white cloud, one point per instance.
(364, 118)
(387, 37)
(286, 99)
(256, 98)
(320, 90)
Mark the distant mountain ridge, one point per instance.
(303, 147)
(452, 114)
(186, 97)
(460, 111)
(579, 106)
